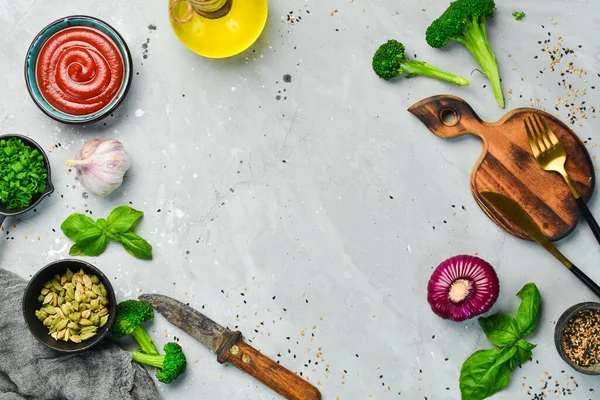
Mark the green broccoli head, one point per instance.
(170, 365)
(387, 60)
(465, 22)
(174, 363)
(130, 315)
(454, 22)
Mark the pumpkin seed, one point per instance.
(75, 316)
(73, 325)
(55, 284)
(59, 313)
(48, 298)
(89, 329)
(87, 281)
(49, 310)
(87, 335)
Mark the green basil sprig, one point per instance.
(91, 238)
(486, 372)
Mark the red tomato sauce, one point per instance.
(79, 70)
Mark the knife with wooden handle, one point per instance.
(229, 347)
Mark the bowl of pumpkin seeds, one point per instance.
(69, 305)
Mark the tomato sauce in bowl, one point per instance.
(79, 70)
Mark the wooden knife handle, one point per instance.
(267, 371)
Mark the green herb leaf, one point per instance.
(135, 245)
(121, 219)
(500, 329)
(75, 224)
(485, 372)
(529, 309)
(522, 354)
(92, 242)
(102, 224)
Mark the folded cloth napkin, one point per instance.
(29, 370)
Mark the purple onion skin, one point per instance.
(481, 298)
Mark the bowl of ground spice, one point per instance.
(577, 337)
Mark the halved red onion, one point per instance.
(462, 287)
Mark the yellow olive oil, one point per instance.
(218, 28)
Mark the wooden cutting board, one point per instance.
(507, 166)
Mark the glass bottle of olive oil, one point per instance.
(218, 28)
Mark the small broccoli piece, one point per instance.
(389, 62)
(465, 22)
(170, 365)
(131, 315)
(518, 15)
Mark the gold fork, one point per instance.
(551, 156)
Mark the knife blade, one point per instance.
(230, 347)
(518, 216)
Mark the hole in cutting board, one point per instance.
(449, 117)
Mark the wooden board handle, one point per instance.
(267, 371)
(447, 116)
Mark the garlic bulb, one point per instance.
(101, 165)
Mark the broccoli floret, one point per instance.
(518, 15)
(465, 22)
(170, 365)
(131, 315)
(389, 62)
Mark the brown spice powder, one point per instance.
(581, 338)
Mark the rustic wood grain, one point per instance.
(267, 371)
(507, 165)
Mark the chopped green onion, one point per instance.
(23, 173)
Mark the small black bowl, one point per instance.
(31, 304)
(560, 329)
(5, 212)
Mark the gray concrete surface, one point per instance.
(311, 223)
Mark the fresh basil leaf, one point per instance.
(121, 219)
(522, 354)
(500, 329)
(92, 242)
(135, 245)
(485, 372)
(529, 309)
(102, 224)
(75, 224)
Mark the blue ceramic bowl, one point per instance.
(31, 61)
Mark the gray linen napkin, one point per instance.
(29, 370)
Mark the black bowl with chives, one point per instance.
(37, 197)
